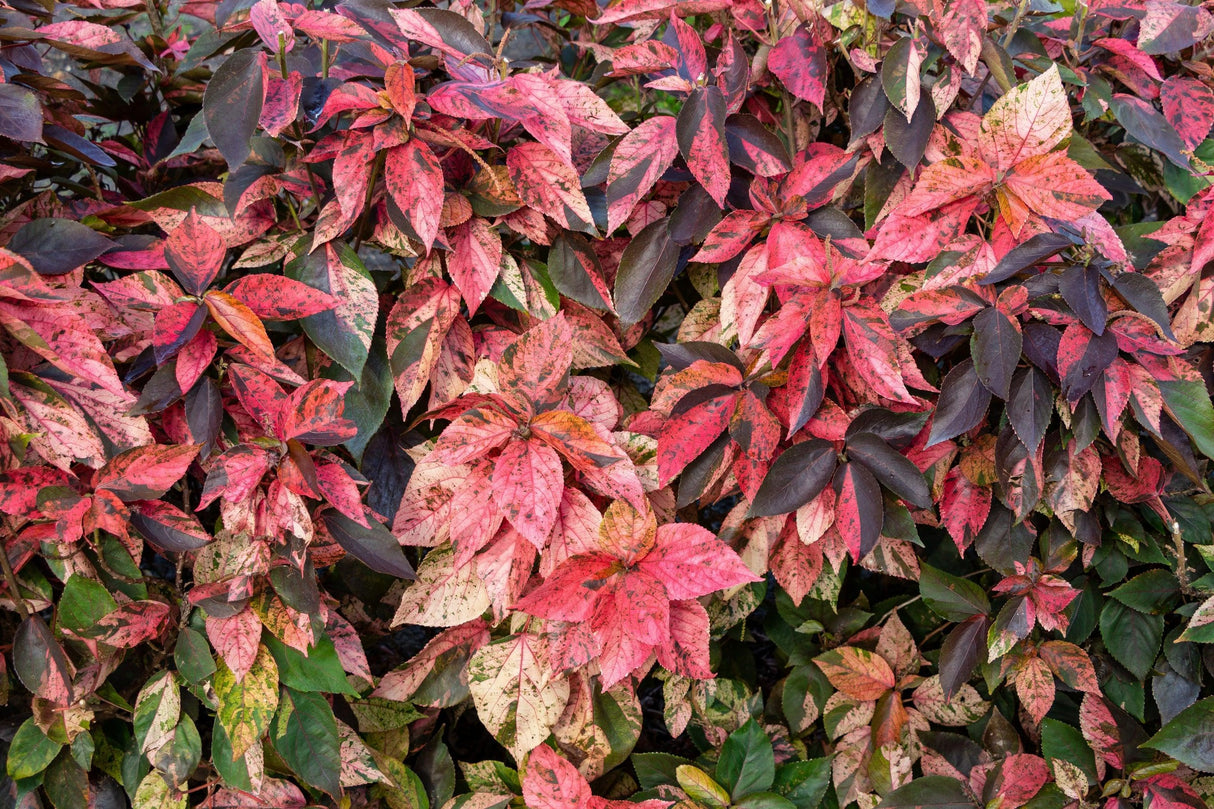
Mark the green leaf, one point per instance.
(344, 332)
(804, 783)
(656, 769)
(1154, 592)
(1189, 738)
(1132, 637)
(305, 735)
(1062, 741)
(765, 800)
(951, 597)
(84, 602)
(30, 751)
(193, 656)
(232, 769)
(179, 757)
(320, 671)
(747, 762)
(155, 793)
(1190, 403)
(367, 402)
(157, 711)
(66, 782)
(410, 792)
(700, 787)
(929, 792)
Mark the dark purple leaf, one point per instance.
(574, 268)
(20, 114)
(908, 141)
(647, 266)
(894, 471)
(232, 105)
(1030, 406)
(1080, 288)
(1141, 293)
(996, 345)
(1026, 255)
(963, 403)
(58, 246)
(795, 478)
(374, 546)
(961, 651)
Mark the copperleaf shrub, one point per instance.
(701, 404)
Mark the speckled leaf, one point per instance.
(246, 707)
(518, 696)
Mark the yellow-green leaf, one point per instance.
(246, 707)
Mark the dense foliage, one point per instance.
(665, 402)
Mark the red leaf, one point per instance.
(551, 782)
(535, 367)
(690, 561)
(276, 297)
(168, 527)
(131, 624)
(145, 473)
(570, 591)
(235, 474)
(870, 345)
(642, 608)
(259, 395)
(857, 673)
(341, 492)
(195, 358)
(236, 639)
(639, 159)
(626, 532)
(799, 61)
(1188, 105)
(700, 132)
(270, 24)
(549, 185)
(686, 652)
(414, 179)
(314, 414)
(195, 253)
(731, 235)
(476, 260)
(416, 328)
(961, 26)
(64, 339)
(281, 106)
(1027, 121)
(859, 511)
(239, 321)
(1050, 185)
(175, 325)
(685, 436)
(1035, 687)
(964, 508)
(473, 435)
(527, 483)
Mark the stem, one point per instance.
(324, 58)
(1021, 10)
(282, 55)
(14, 585)
(362, 219)
(154, 18)
(1182, 563)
